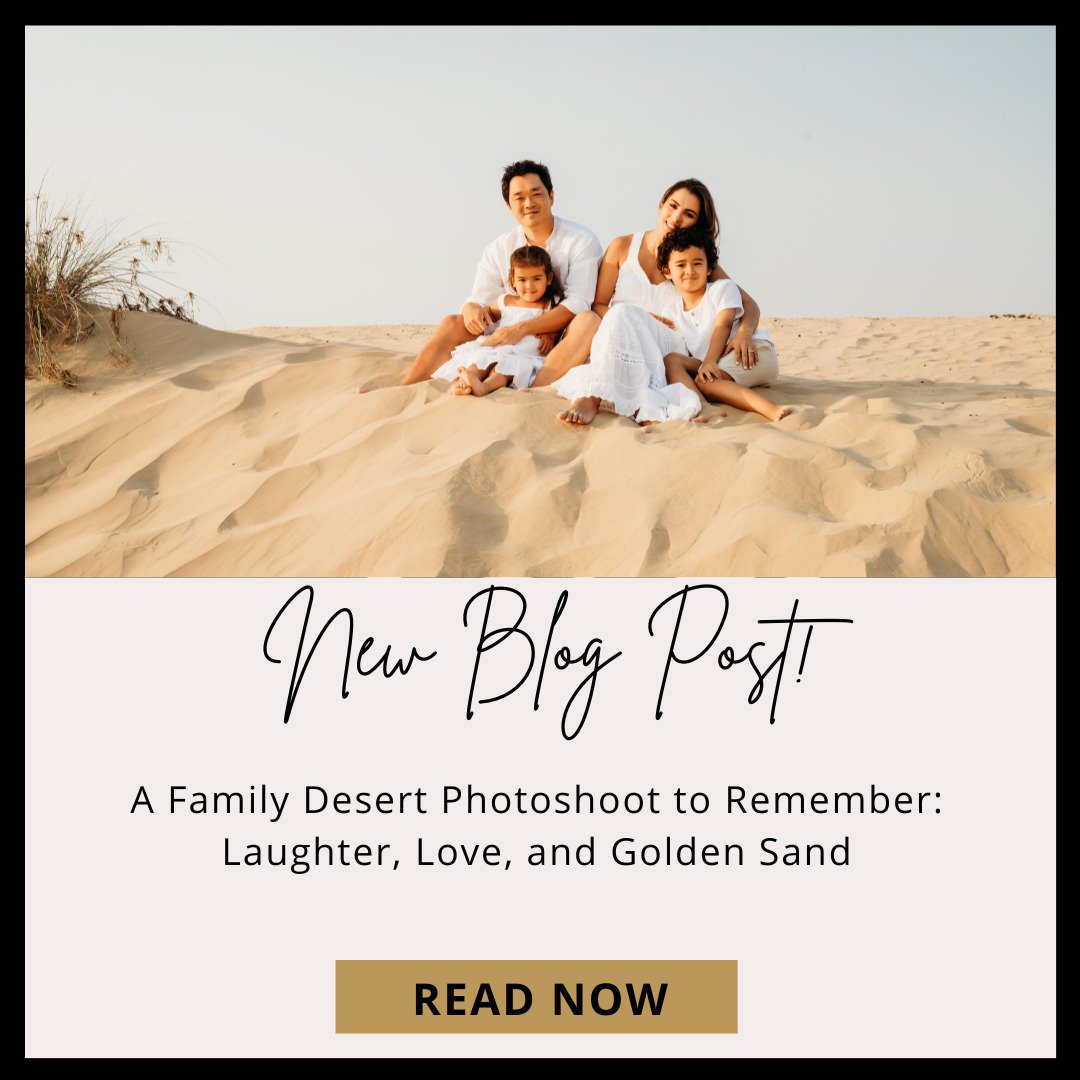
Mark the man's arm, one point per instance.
(487, 286)
(546, 322)
(579, 288)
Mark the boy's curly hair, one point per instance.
(681, 240)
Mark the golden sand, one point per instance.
(918, 446)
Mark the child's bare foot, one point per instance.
(582, 411)
(468, 381)
(361, 390)
(476, 382)
(780, 411)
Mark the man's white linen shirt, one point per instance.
(575, 253)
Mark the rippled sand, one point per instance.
(918, 447)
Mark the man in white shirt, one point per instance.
(575, 253)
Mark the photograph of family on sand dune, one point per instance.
(608, 399)
(643, 338)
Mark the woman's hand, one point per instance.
(707, 373)
(744, 349)
(660, 318)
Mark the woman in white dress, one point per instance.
(629, 275)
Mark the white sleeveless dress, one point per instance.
(634, 287)
(626, 359)
(521, 361)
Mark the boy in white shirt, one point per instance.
(707, 314)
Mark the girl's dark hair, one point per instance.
(681, 240)
(531, 255)
(707, 219)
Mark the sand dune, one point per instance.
(918, 447)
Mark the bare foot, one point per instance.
(582, 411)
(780, 411)
(466, 381)
(475, 381)
(361, 390)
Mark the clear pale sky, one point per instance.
(350, 175)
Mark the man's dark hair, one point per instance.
(682, 240)
(523, 168)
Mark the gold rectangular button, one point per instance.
(531, 996)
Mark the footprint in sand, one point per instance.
(274, 455)
(884, 479)
(1030, 427)
(146, 481)
(255, 398)
(192, 380)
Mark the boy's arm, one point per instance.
(710, 369)
(742, 345)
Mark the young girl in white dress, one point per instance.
(706, 314)
(478, 369)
